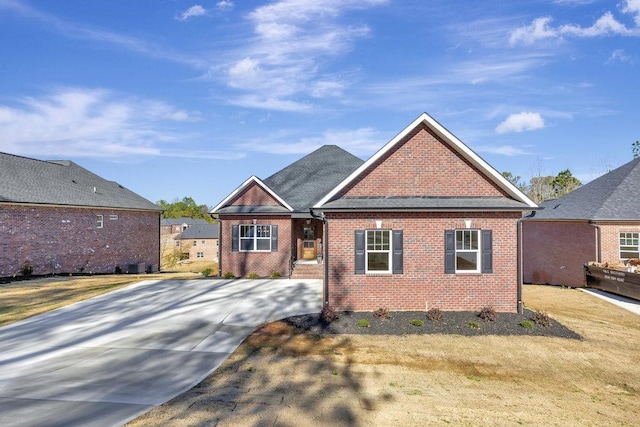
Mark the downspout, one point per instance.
(520, 307)
(325, 281)
(219, 245)
(598, 241)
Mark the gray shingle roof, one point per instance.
(250, 209)
(424, 203)
(199, 231)
(306, 181)
(613, 196)
(25, 180)
(184, 220)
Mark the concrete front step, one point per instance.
(308, 271)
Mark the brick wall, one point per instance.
(610, 237)
(263, 263)
(67, 240)
(553, 252)
(423, 283)
(208, 248)
(422, 164)
(254, 195)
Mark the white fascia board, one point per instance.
(252, 179)
(454, 142)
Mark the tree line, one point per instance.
(185, 208)
(541, 188)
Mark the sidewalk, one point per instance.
(626, 303)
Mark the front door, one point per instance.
(308, 243)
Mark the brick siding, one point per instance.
(264, 264)
(423, 284)
(67, 240)
(554, 252)
(422, 164)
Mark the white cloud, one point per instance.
(357, 141)
(619, 55)
(606, 25)
(193, 11)
(521, 122)
(632, 7)
(538, 30)
(505, 150)
(78, 122)
(225, 5)
(293, 40)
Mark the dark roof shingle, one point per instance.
(25, 180)
(306, 181)
(613, 196)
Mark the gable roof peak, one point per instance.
(450, 139)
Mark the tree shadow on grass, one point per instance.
(277, 377)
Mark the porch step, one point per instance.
(308, 271)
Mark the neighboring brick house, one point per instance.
(61, 218)
(599, 221)
(424, 223)
(170, 228)
(199, 242)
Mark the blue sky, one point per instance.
(175, 98)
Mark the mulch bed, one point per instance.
(453, 323)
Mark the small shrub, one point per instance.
(252, 275)
(474, 325)
(275, 275)
(541, 318)
(527, 324)
(363, 323)
(118, 269)
(26, 269)
(417, 322)
(382, 314)
(206, 272)
(328, 314)
(488, 314)
(228, 275)
(435, 315)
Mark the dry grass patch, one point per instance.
(279, 377)
(22, 299)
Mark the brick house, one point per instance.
(170, 228)
(599, 221)
(424, 223)
(61, 218)
(199, 242)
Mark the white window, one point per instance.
(195, 243)
(200, 254)
(99, 221)
(378, 253)
(629, 245)
(255, 237)
(467, 251)
(202, 242)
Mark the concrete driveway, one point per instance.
(105, 361)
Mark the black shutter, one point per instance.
(360, 253)
(274, 238)
(397, 251)
(487, 251)
(449, 251)
(235, 237)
